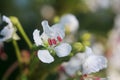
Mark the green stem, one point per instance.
(17, 52)
(43, 77)
(16, 22)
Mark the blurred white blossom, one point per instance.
(114, 51)
(98, 48)
(8, 31)
(95, 5)
(115, 6)
(117, 21)
(70, 22)
(86, 62)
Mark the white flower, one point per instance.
(51, 38)
(98, 48)
(95, 5)
(117, 22)
(115, 5)
(8, 31)
(70, 22)
(86, 62)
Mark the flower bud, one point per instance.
(78, 47)
(86, 36)
(14, 19)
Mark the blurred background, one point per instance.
(95, 16)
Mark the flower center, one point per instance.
(53, 41)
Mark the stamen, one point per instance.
(54, 41)
(59, 38)
(50, 41)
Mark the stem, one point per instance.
(17, 52)
(33, 63)
(10, 70)
(43, 77)
(16, 22)
(18, 55)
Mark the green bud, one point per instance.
(78, 47)
(86, 36)
(14, 19)
(56, 19)
(86, 43)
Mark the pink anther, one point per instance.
(59, 38)
(50, 41)
(54, 41)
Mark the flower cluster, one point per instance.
(51, 44)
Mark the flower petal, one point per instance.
(72, 66)
(37, 38)
(45, 56)
(7, 33)
(70, 21)
(7, 20)
(46, 28)
(16, 37)
(59, 30)
(63, 49)
(94, 64)
(88, 51)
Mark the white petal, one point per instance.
(88, 51)
(7, 20)
(46, 28)
(59, 30)
(16, 37)
(45, 56)
(94, 64)
(71, 70)
(36, 37)
(7, 33)
(53, 31)
(82, 57)
(72, 66)
(63, 50)
(69, 20)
